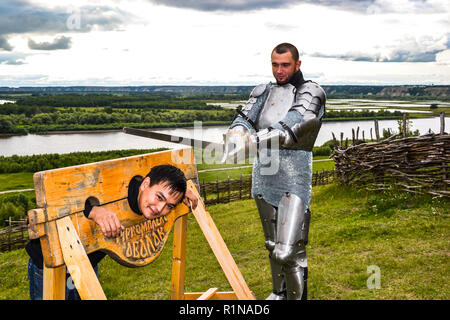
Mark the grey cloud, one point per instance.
(248, 5)
(394, 56)
(58, 43)
(4, 44)
(22, 17)
(362, 6)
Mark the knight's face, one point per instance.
(284, 66)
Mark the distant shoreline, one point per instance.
(6, 135)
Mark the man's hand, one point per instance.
(107, 220)
(190, 199)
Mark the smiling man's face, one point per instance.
(284, 66)
(157, 200)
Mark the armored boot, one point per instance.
(268, 215)
(292, 236)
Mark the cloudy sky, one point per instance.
(221, 42)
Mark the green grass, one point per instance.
(407, 237)
(16, 181)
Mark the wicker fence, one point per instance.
(14, 236)
(413, 164)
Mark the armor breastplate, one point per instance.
(277, 105)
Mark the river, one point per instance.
(117, 140)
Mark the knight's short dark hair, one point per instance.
(172, 176)
(285, 47)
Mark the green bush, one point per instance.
(14, 206)
(322, 151)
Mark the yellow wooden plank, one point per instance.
(179, 258)
(78, 263)
(228, 295)
(220, 249)
(208, 294)
(54, 283)
(64, 191)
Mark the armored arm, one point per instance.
(299, 128)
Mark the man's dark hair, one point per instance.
(285, 47)
(174, 177)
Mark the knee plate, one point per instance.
(268, 216)
(292, 231)
(296, 283)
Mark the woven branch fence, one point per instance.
(14, 236)
(412, 164)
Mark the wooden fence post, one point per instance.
(9, 234)
(240, 187)
(217, 188)
(442, 116)
(229, 189)
(404, 131)
(204, 190)
(334, 140)
(377, 132)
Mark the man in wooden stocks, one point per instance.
(162, 189)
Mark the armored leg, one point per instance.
(268, 215)
(292, 236)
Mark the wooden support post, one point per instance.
(54, 283)
(77, 262)
(179, 258)
(220, 249)
(442, 117)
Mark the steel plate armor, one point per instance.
(283, 120)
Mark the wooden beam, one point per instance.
(227, 295)
(208, 294)
(179, 258)
(77, 262)
(54, 280)
(220, 249)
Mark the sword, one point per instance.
(228, 153)
(194, 143)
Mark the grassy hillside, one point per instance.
(406, 237)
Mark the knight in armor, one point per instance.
(281, 121)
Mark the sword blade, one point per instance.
(194, 143)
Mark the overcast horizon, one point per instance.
(221, 43)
